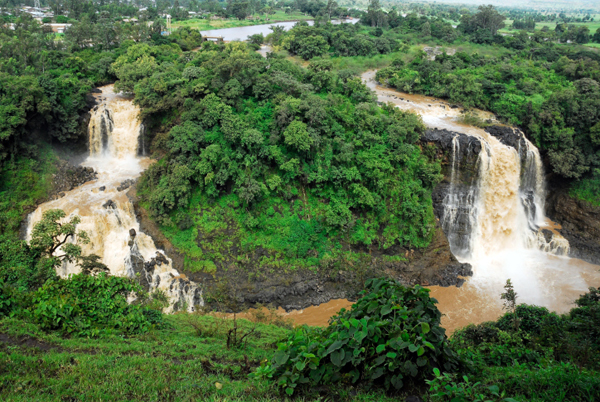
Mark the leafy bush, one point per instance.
(585, 318)
(444, 388)
(390, 337)
(90, 306)
(531, 319)
(7, 301)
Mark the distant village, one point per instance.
(45, 15)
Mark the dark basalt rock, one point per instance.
(102, 188)
(139, 268)
(68, 177)
(547, 235)
(509, 136)
(109, 204)
(467, 162)
(126, 184)
(580, 222)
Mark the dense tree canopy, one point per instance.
(268, 130)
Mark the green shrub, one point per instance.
(391, 337)
(7, 301)
(445, 388)
(561, 382)
(90, 306)
(531, 319)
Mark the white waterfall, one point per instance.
(108, 216)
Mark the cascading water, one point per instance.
(492, 212)
(107, 214)
(504, 202)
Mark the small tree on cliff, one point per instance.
(50, 234)
(50, 240)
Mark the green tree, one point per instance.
(297, 136)
(312, 46)
(426, 30)
(136, 64)
(375, 15)
(489, 18)
(583, 35)
(50, 234)
(239, 9)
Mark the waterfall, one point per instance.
(491, 208)
(458, 219)
(503, 205)
(107, 214)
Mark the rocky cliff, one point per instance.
(580, 222)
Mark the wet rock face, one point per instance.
(580, 223)
(467, 148)
(110, 204)
(435, 265)
(454, 198)
(508, 136)
(126, 184)
(138, 266)
(68, 177)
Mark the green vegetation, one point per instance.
(548, 357)
(293, 161)
(390, 338)
(587, 189)
(23, 183)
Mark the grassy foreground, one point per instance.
(173, 364)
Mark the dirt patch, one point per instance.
(28, 342)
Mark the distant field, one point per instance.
(205, 25)
(596, 45)
(593, 26)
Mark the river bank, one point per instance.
(221, 23)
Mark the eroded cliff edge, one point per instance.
(579, 219)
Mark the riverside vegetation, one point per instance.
(382, 349)
(258, 153)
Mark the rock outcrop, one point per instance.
(459, 154)
(580, 223)
(68, 177)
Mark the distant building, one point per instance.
(58, 28)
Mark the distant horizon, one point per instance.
(565, 4)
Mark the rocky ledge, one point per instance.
(580, 223)
(68, 177)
